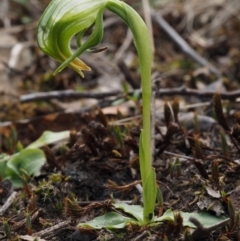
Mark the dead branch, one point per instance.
(185, 47)
(182, 91)
(65, 94)
(8, 203)
(52, 230)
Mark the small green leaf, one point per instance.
(49, 137)
(206, 219)
(19, 146)
(150, 190)
(168, 215)
(125, 87)
(135, 210)
(109, 220)
(29, 160)
(118, 102)
(148, 176)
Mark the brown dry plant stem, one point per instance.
(171, 131)
(217, 104)
(176, 108)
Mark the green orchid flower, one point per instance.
(60, 23)
(64, 19)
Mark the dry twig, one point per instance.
(182, 91)
(52, 231)
(186, 48)
(8, 203)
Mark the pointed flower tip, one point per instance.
(76, 65)
(79, 66)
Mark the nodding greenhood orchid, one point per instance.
(64, 19)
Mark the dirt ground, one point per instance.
(197, 134)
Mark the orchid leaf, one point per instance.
(113, 220)
(109, 220)
(149, 183)
(49, 137)
(28, 161)
(205, 218)
(135, 210)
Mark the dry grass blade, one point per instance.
(173, 128)
(175, 108)
(237, 116)
(106, 206)
(236, 132)
(222, 120)
(71, 208)
(74, 210)
(167, 114)
(125, 188)
(219, 112)
(19, 225)
(201, 169)
(198, 152)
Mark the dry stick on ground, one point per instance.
(30, 238)
(65, 94)
(217, 103)
(52, 231)
(142, 236)
(188, 50)
(20, 224)
(182, 91)
(202, 232)
(8, 203)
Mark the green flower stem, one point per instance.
(143, 45)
